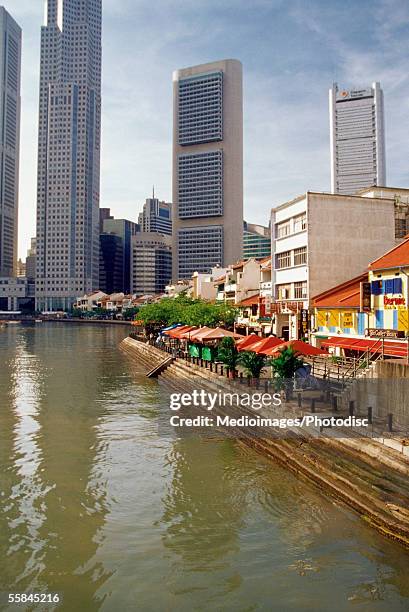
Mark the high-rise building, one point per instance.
(156, 216)
(10, 78)
(256, 241)
(207, 167)
(31, 260)
(357, 135)
(111, 265)
(68, 153)
(151, 262)
(124, 229)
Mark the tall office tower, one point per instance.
(125, 230)
(156, 216)
(207, 167)
(10, 77)
(357, 135)
(68, 153)
(111, 263)
(151, 262)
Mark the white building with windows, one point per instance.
(69, 139)
(319, 240)
(357, 138)
(10, 103)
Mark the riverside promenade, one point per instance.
(360, 471)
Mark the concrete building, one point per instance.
(16, 294)
(256, 241)
(203, 284)
(239, 282)
(151, 262)
(400, 196)
(10, 78)
(207, 167)
(156, 216)
(111, 263)
(68, 153)
(124, 229)
(89, 302)
(357, 138)
(319, 240)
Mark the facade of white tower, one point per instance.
(68, 153)
(357, 136)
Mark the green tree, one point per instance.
(188, 311)
(228, 354)
(253, 363)
(285, 365)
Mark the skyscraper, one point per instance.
(10, 77)
(207, 167)
(68, 153)
(156, 216)
(357, 135)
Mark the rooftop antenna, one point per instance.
(153, 192)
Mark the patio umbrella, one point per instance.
(218, 333)
(243, 343)
(299, 347)
(196, 334)
(176, 333)
(264, 345)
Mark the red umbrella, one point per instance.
(299, 347)
(265, 344)
(244, 343)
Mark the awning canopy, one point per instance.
(245, 341)
(177, 333)
(299, 347)
(265, 344)
(218, 333)
(390, 348)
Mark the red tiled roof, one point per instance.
(398, 256)
(253, 299)
(345, 295)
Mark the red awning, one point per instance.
(391, 348)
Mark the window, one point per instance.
(283, 292)
(283, 229)
(300, 290)
(283, 260)
(300, 256)
(300, 223)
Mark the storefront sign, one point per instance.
(348, 319)
(385, 333)
(304, 323)
(394, 302)
(267, 305)
(365, 297)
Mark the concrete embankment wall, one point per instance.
(367, 477)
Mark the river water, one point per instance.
(96, 505)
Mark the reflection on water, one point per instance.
(96, 505)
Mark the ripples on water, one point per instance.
(97, 504)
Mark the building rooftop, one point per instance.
(250, 301)
(345, 295)
(396, 257)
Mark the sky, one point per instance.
(291, 51)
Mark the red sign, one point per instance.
(393, 301)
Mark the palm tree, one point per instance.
(285, 366)
(253, 363)
(228, 354)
